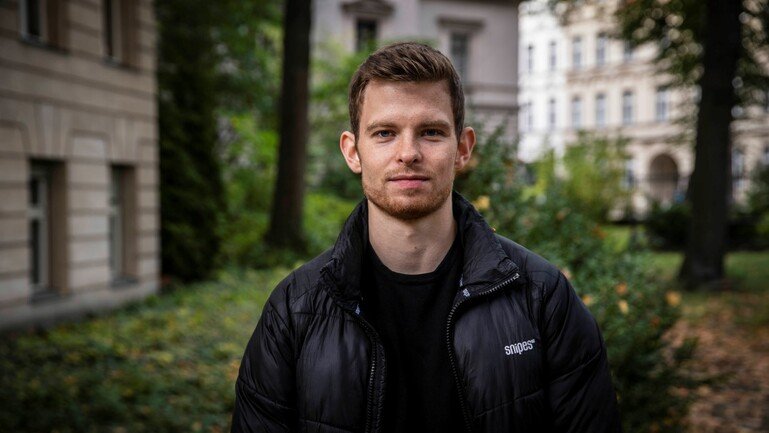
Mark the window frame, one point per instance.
(600, 110)
(601, 49)
(40, 245)
(116, 216)
(42, 21)
(553, 56)
(462, 65)
(628, 105)
(576, 112)
(576, 53)
(662, 104)
(366, 26)
(552, 117)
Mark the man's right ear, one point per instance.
(350, 151)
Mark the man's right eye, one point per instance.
(383, 134)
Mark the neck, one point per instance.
(415, 246)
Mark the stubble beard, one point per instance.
(409, 205)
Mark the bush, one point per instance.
(667, 226)
(328, 171)
(632, 309)
(590, 175)
(165, 365)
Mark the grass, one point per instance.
(746, 287)
(166, 364)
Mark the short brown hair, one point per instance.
(407, 62)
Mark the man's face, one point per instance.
(407, 151)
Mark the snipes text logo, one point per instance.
(519, 348)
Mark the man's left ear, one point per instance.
(465, 148)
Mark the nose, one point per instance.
(408, 150)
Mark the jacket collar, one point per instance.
(485, 262)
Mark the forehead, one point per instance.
(394, 100)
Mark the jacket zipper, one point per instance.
(372, 380)
(450, 346)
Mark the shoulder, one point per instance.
(533, 267)
(299, 285)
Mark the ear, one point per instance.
(465, 148)
(350, 151)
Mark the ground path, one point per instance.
(738, 353)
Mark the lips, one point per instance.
(408, 181)
(408, 177)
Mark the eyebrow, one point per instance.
(439, 124)
(377, 125)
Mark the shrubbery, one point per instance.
(166, 365)
(632, 309)
(667, 226)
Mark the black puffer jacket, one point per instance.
(527, 355)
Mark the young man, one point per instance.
(421, 318)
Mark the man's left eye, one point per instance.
(433, 132)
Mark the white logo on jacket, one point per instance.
(519, 348)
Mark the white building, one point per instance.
(603, 86)
(542, 118)
(480, 37)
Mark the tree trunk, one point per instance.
(709, 185)
(286, 216)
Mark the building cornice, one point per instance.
(368, 8)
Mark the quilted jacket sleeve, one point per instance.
(265, 391)
(580, 391)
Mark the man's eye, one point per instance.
(384, 134)
(433, 132)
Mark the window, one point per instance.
(365, 34)
(528, 117)
(629, 180)
(119, 31)
(553, 56)
(576, 112)
(47, 224)
(42, 21)
(116, 219)
(32, 19)
(530, 58)
(600, 110)
(627, 52)
(600, 49)
(459, 49)
(661, 104)
(627, 107)
(112, 26)
(121, 233)
(766, 101)
(551, 116)
(576, 52)
(765, 156)
(738, 172)
(39, 216)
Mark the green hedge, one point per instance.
(166, 365)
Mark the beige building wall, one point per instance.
(83, 111)
(489, 29)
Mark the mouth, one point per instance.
(409, 180)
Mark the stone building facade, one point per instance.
(79, 205)
(480, 37)
(600, 85)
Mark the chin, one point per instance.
(408, 207)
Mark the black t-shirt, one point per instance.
(409, 313)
